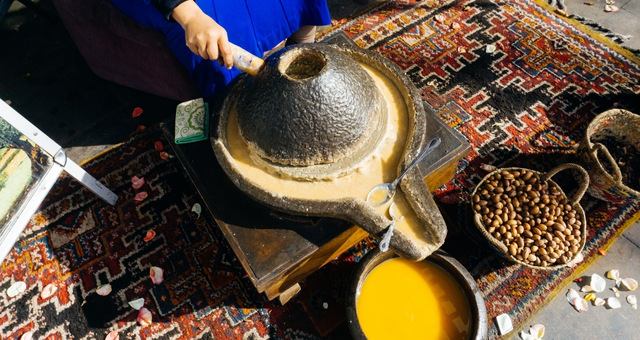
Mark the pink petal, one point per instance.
(48, 291)
(137, 182)
(149, 236)
(157, 275)
(145, 318)
(164, 155)
(141, 196)
(158, 146)
(137, 112)
(113, 335)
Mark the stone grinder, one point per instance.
(317, 127)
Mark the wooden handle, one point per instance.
(245, 61)
(617, 174)
(584, 180)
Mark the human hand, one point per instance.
(203, 35)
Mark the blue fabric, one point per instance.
(255, 25)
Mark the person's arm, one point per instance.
(203, 35)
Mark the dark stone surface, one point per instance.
(311, 104)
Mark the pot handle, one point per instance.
(617, 174)
(584, 181)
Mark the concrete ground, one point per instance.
(43, 76)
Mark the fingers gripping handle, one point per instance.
(245, 61)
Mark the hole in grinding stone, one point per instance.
(303, 64)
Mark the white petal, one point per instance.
(599, 302)
(156, 274)
(197, 209)
(504, 323)
(490, 48)
(104, 290)
(586, 289)
(16, 289)
(48, 291)
(632, 300)
(580, 304)
(613, 274)
(613, 303)
(597, 283)
(572, 294)
(27, 336)
(628, 284)
(537, 330)
(137, 303)
(527, 336)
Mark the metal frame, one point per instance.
(30, 204)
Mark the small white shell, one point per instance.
(572, 294)
(504, 323)
(597, 283)
(48, 291)
(580, 304)
(104, 290)
(599, 302)
(628, 284)
(613, 274)
(613, 303)
(16, 289)
(586, 289)
(632, 300)
(137, 303)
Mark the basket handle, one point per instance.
(584, 181)
(617, 174)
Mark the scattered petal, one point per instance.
(150, 235)
(613, 303)
(137, 112)
(325, 305)
(440, 18)
(455, 26)
(197, 209)
(504, 323)
(27, 336)
(490, 48)
(597, 283)
(537, 330)
(613, 274)
(137, 303)
(461, 49)
(572, 294)
(141, 196)
(158, 145)
(590, 297)
(145, 318)
(164, 155)
(48, 291)
(586, 289)
(137, 182)
(578, 280)
(157, 275)
(579, 258)
(602, 252)
(599, 302)
(16, 289)
(632, 300)
(113, 335)
(628, 284)
(140, 128)
(104, 290)
(527, 336)
(580, 304)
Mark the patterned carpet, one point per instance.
(526, 103)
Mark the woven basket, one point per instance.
(619, 124)
(574, 201)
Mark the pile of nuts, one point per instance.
(530, 217)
